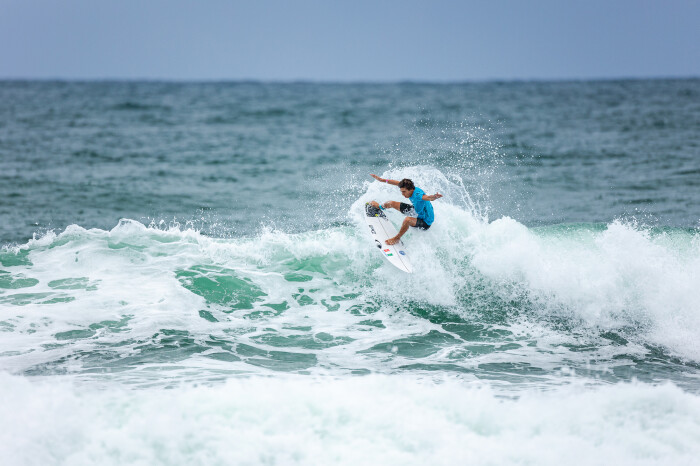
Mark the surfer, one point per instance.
(421, 207)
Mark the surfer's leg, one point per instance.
(387, 205)
(392, 205)
(407, 222)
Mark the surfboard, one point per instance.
(381, 229)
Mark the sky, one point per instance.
(354, 40)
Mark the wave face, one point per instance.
(489, 300)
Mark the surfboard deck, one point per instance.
(381, 230)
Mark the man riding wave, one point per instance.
(421, 207)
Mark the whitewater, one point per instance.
(193, 303)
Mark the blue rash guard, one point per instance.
(424, 209)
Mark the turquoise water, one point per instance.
(186, 264)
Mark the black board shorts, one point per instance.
(407, 209)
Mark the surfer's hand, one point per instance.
(376, 177)
(436, 196)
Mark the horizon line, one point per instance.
(348, 81)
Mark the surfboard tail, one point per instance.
(372, 211)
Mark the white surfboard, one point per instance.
(381, 230)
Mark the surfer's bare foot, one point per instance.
(374, 204)
(393, 240)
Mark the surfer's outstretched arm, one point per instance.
(384, 180)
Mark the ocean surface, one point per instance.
(186, 277)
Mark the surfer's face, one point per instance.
(406, 192)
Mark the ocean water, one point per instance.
(185, 275)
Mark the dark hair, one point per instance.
(406, 183)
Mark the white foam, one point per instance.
(360, 420)
(622, 276)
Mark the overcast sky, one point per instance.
(350, 40)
